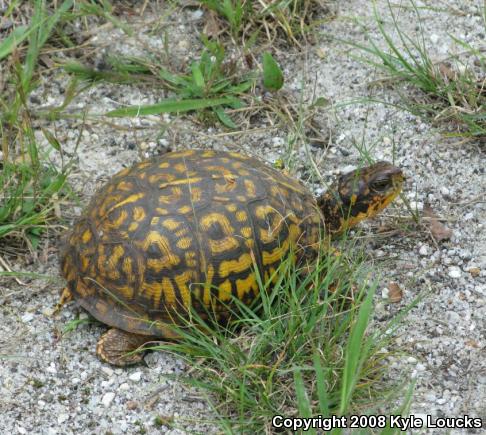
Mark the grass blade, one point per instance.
(171, 106)
(321, 386)
(356, 352)
(15, 38)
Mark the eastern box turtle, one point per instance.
(190, 228)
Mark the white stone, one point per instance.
(417, 205)
(27, 317)
(453, 316)
(107, 399)
(347, 169)
(107, 371)
(434, 38)
(424, 250)
(135, 377)
(61, 418)
(48, 311)
(21, 430)
(444, 190)
(420, 367)
(51, 368)
(124, 386)
(454, 272)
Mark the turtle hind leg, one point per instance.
(117, 347)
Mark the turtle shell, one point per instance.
(185, 229)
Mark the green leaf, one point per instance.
(16, 37)
(171, 106)
(224, 118)
(52, 139)
(272, 74)
(34, 236)
(321, 102)
(197, 75)
(171, 78)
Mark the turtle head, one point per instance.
(359, 195)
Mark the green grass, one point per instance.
(451, 93)
(305, 349)
(212, 83)
(30, 184)
(246, 21)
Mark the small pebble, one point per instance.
(107, 399)
(417, 205)
(197, 14)
(27, 317)
(424, 250)
(48, 311)
(454, 272)
(420, 367)
(62, 418)
(445, 191)
(131, 405)
(135, 377)
(107, 371)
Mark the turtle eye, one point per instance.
(380, 184)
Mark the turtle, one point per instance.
(193, 230)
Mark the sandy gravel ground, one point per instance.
(53, 384)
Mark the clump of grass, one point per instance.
(30, 184)
(450, 92)
(245, 20)
(305, 349)
(213, 84)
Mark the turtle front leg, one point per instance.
(117, 347)
(66, 296)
